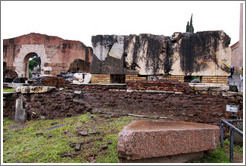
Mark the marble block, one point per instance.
(151, 139)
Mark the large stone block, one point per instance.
(197, 54)
(208, 86)
(152, 139)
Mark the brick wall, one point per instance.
(50, 81)
(134, 78)
(187, 106)
(214, 79)
(205, 79)
(105, 78)
(163, 85)
(100, 78)
(180, 78)
(9, 104)
(47, 105)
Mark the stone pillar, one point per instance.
(20, 112)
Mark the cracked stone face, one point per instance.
(201, 53)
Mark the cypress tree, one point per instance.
(189, 26)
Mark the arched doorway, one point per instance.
(32, 65)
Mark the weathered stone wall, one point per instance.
(46, 105)
(169, 86)
(176, 103)
(9, 104)
(56, 54)
(50, 81)
(195, 106)
(196, 54)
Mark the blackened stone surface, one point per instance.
(200, 46)
(96, 65)
(182, 54)
(113, 65)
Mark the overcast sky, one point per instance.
(81, 20)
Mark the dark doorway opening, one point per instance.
(195, 79)
(117, 78)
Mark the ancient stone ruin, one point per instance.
(181, 56)
(57, 55)
(165, 141)
(153, 71)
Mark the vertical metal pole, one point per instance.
(221, 134)
(231, 143)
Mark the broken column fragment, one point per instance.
(20, 112)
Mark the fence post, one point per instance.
(221, 134)
(231, 143)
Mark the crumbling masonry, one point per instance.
(57, 55)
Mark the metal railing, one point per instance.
(232, 129)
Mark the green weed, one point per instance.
(9, 90)
(226, 142)
(238, 149)
(217, 156)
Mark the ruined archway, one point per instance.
(56, 54)
(32, 65)
(23, 56)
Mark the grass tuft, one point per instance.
(9, 90)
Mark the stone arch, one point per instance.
(26, 51)
(26, 64)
